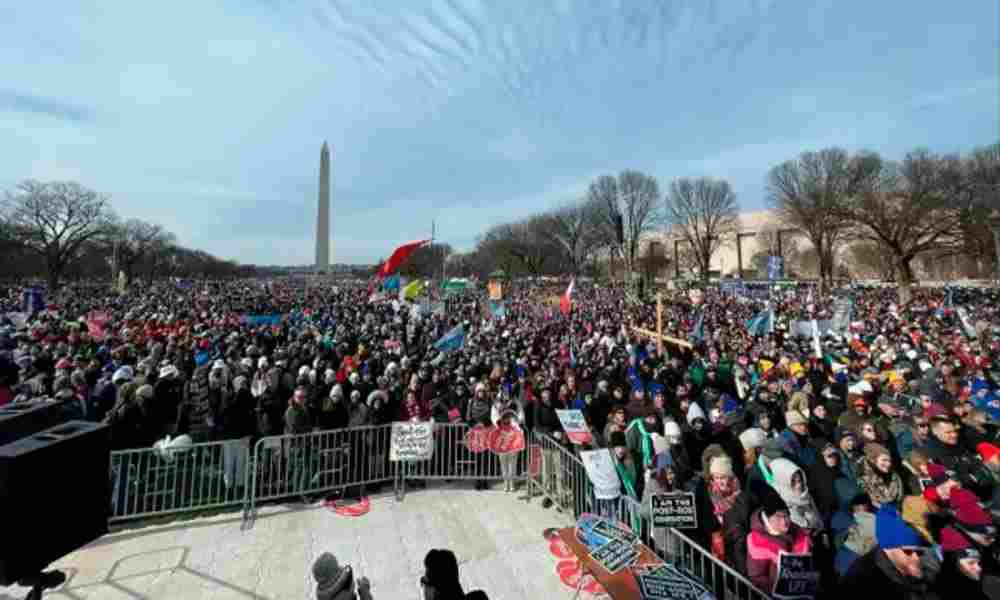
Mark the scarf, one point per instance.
(723, 494)
(628, 478)
(646, 440)
(883, 488)
(768, 475)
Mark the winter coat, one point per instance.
(881, 488)
(736, 528)
(798, 448)
(237, 415)
(297, 420)
(823, 488)
(763, 549)
(545, 419)
(874, 576)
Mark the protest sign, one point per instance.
(616, 531)
(505, 440)
(663, 581)
(615, 555)
(675, 509)
(797, 576)
(535, 462)
(495, 290)
(411, 441)
(601, 471)
(575, 426)
(477, 439)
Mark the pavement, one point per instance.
(496, 536)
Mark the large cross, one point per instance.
(658, 334)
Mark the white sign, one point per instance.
(601, 471)
(575, 426)
(411, 441)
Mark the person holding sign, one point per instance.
(771, 533)
(507, 413)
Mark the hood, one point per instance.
(695, 412)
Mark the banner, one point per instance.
(477, 439)
(774, 266)
(841, 319)
(411, 441)
(495, 290)
(258, 320)
(797, 576)
(505, 440)
(663, 581)
(601, 471)
(676, 509)
(575, 427)
(732, 287)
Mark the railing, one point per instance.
(564, 481)
(154, 482)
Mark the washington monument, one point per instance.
(323, 212)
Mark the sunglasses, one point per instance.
(913, 551)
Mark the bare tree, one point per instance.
(909, 207)
(628, 208)
(574, 226)
(872, 260)
(789, 249)
(129, 242)
(54, 220)
(809, 194)
(703, 212)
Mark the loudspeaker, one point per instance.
(55, 496)
(20, 420)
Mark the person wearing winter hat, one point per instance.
(961, 567)
(990, 454)
(795, 439)
(760, 477)
(772, 532)
(752, 439)
(336, 582)
(894, 568)
(790, 482)
(976, 525)
(628, 471)
(878, 479)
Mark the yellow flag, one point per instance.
(413, 289)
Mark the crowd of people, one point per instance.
(871, 447)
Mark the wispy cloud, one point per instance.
(955, 93)
(26, 102)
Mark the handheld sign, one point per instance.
(615, 555)
(676, 509)
(575, 426)
(411, 441)
(505, 440)
(601, 471)
(797, 576)
(663, 581)
(477, 439)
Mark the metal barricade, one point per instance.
(453, 460)
(150, 482)
(563, 479)
(288, 466)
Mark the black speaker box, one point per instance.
(54, 496)
(21, 420)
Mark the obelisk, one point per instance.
(323, 212)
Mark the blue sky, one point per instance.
(208, 116)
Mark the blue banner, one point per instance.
(258, 320)
(774, 265)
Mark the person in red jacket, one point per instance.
(772, 532)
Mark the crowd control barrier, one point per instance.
(563, 480)
(153, 482)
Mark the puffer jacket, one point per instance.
(763, 549)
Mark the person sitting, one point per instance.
(772, 532)
(440, 579)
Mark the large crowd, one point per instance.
(873, 447)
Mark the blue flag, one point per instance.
(391, 284)
(698, 334)
(497, 309)
(762, 324)
(453, 340)
(202, 357)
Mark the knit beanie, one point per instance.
(973, 518)
(695, 412)
(794, 417)
(671, 430)
(753, 438)
(953, 541)
(721, 465)
(772, 503)
(987, 451)
(873, 451)
(617, 439)
(329, 575)
(892, 531)
(938, 474)
(772, 449)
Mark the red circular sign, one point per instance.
(506, 440)
(477, 439)
(350, 508)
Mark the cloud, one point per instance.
(955, 93)
(26, 102)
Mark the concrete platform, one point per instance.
(497, 538)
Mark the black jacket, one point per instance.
(874, 576)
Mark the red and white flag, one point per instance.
(566, 303)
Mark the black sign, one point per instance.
(615, 555)
(662, 582)
(797, 576)
(676, 509)
(615, 532)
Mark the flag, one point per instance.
(566, 302)
(391, 283)
(413, 289)
(453, 340)
(698, 334)
(495, 290)
(497, 310)
(399, 256)
(762, 324)
(815, 335)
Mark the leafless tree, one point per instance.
(628, 207)
(909, 207)
(871, 260)
(703, 212)
(789, 249)
(574, 227)
(809, 194)
(128, 242)
(54, 220)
